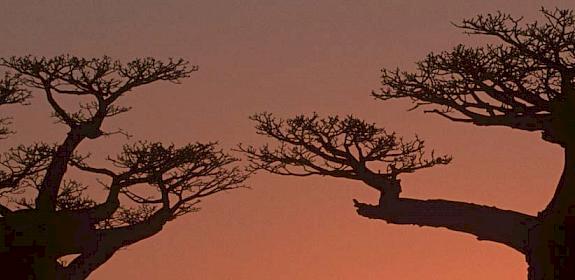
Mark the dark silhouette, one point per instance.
(11, 92)
(46, 215)
(526, 82)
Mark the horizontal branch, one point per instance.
(487, 223)
(96, 170)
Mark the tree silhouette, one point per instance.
(525, 82)
(46, 215)
(10, 93)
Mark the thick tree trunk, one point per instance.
(547, 241)
(551, 254)
(30, 263)
(48, 192)
(31, 241)
(551, 250)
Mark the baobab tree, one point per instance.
(524, 82)
(47, 215)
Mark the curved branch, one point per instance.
(48, 191)
(111, 240)
(517, 83)
(530, 40)
(486, 223)
(60, 112)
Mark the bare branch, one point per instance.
(11, 93)
(487, 223)
(175, 177)
(147, 185)
(346, 148)
(103, 80)
(524, 83)
(18, 166)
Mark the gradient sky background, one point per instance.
(292, 57)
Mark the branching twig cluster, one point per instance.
(147, 184)
(522, 83)
(338, 147)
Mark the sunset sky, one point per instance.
(291, 57)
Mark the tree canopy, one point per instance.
(525, 81)
(46, 215)
(339, 147)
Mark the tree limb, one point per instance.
(111, 240)
(486, 223)
(517, 84)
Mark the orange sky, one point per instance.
(291, 57)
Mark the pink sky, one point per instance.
(292, 57)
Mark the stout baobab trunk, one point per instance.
(25, 251)
(32, 241)
(547, 241)
(551, 254)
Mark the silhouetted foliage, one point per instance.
(338, 147)
(526, 82)
(10, 93)
(47, 216)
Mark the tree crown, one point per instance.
(345, 147)
(525, 82)
(146, 185)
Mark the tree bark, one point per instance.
(551, 254)
(547, 241)
(31, 242)
(30, 264)
(487, 223)
(48, 192)
(111, 240)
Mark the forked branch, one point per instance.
(354, 149)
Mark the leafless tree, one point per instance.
(47, 216)
(525, 82)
